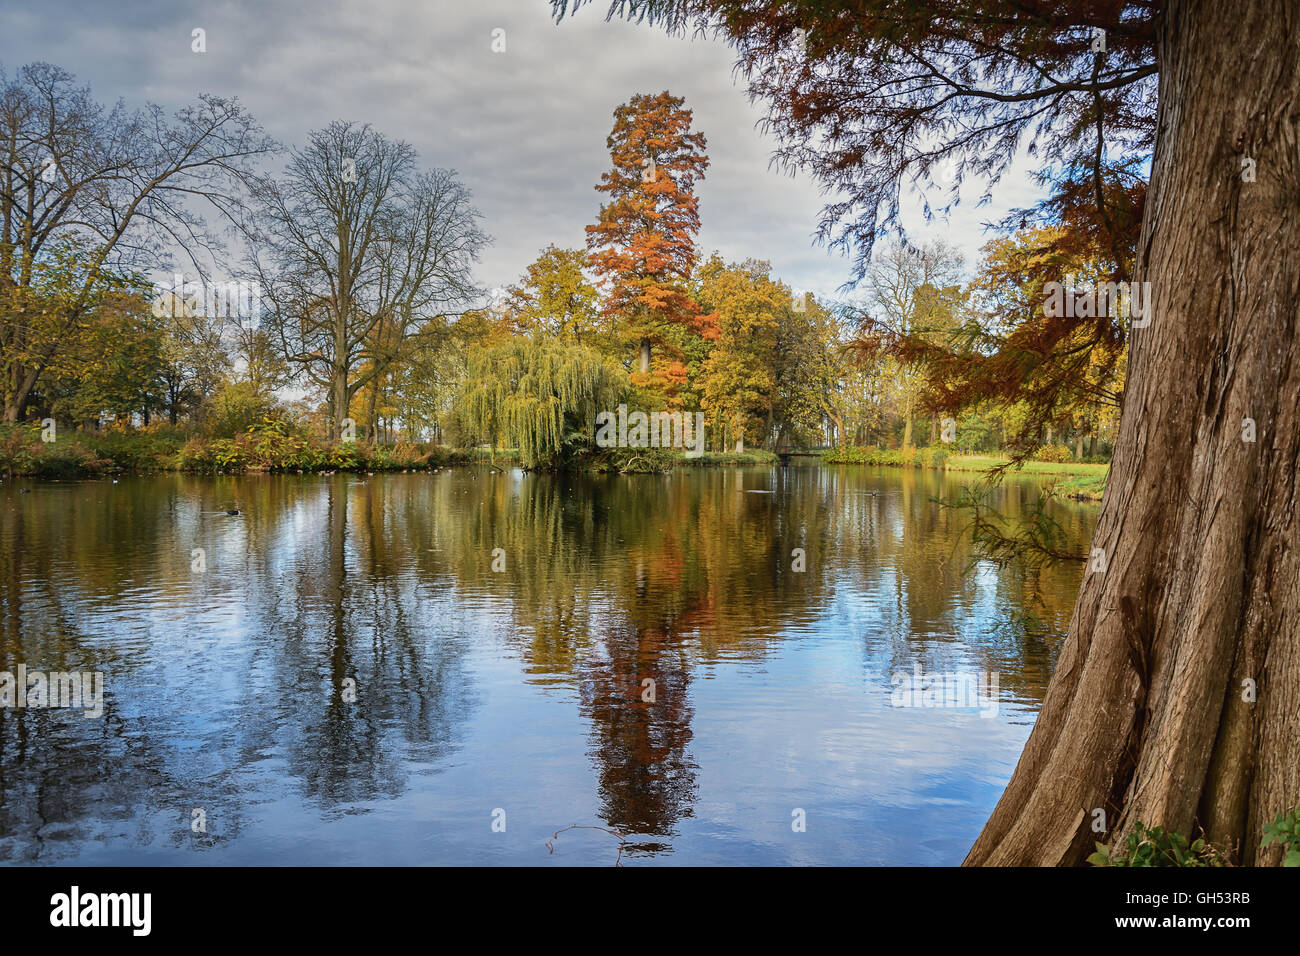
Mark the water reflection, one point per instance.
(348, 678)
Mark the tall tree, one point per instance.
(914, 295)
(1175, 695)
(737, 381)
(356, 252)
(642, 246)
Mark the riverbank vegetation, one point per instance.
(325, 351)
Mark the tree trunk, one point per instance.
(24, 381)
(645, 355)
(1078, 445)
(340, 401)
(372, 416)
(1148, 715)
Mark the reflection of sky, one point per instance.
(220, 684)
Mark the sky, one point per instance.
(525, 128)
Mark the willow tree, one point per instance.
(538, 395)
(1176, 697)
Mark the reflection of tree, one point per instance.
(616, 580)
(609, 581)
(195, 699)
(640, 731)
(354, 626)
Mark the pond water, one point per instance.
(351, 672)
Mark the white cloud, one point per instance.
(525, 128)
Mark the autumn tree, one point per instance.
(1173, 701)
(770, 371)
(642, 245)
(555, 298)
(808, 368)
(913, 294)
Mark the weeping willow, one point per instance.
(536, 395)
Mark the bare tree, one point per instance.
(904, 285)
(357, 254)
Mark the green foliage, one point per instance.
(539, 396)
(932, 457)
(1285, 831)
(758, 456)
(238, 407)
(151, 449)
(635, 461)
(19, 446)
(22, 453)
(1154, 847)
(275, 446)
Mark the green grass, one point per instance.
(989, 462)
(1079, 479)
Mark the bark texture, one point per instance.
(1148, 715)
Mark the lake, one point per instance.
(448, 668)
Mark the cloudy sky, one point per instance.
(525, 128)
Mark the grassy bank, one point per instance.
(888, 457)
(274, 448)
(278, 448)
(1076, 479)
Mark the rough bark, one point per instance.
(1146, 715)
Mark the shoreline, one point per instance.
(1078, 480)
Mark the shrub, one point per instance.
(152, 449)
(238, 407)
(932, 457)
(23, 453)
(758, 456)
(1155, 847)
(891, 457)
(1285, 830)
(18, 448)
(1053, 453)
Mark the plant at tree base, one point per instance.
(1285, 831)
(1154, 847)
